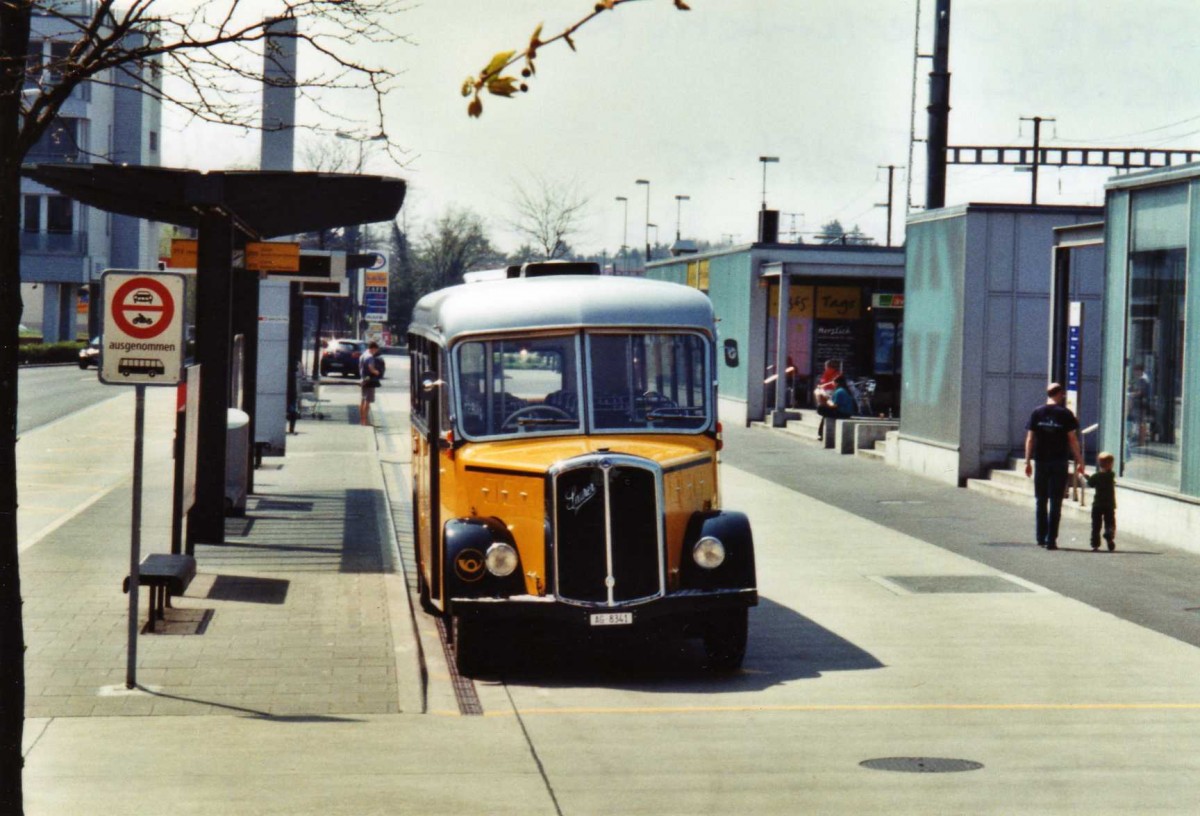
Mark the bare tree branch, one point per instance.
(548, 213)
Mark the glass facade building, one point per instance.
(1151, 411)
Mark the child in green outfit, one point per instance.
(1104, 501)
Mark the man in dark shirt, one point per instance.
(1051, 440)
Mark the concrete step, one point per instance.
(1012, 479)
(806, 427)
(1001, 490)
(1008, 488)
(875, 454)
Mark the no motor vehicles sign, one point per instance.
(143, 341)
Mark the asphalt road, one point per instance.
(48, 393)
(1144, 583)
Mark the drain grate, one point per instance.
(921, 764)
(932, 584)
(464, 687)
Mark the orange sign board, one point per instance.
(373, 278)
(184, 252)
(839, 302)
(800, 301)
(273, 256)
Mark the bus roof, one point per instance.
(567, 301)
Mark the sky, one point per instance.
(691, 100)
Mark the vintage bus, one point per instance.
(565, 439)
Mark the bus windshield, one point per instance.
(648, 381)
(636, 381)
(519, 385)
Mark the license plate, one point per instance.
(612, 618)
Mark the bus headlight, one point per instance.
(709, 553)
(501, 559)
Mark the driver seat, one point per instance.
(564, 400)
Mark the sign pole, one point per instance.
(1074, 379)
(135, 536)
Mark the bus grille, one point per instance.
(607, 511)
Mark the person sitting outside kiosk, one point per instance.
(839, 406)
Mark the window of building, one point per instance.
(1154, 333)
(58, 55)
(32, 220)
(153, 139)
(60, 214)
(60, 142)
(33, 62)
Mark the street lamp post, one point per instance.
(647, 183)
(765, 161)
(648, 228)
(379, 137)
(679, 199)
(625, 230)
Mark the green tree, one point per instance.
(832, 232)
(196, 58)
(401, 282)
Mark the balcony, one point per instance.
(54, 243)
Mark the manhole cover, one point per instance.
(921, 764)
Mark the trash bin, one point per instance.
(237, 461)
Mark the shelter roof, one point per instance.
(265, 204)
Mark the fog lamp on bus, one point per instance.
(709, 553)
(501, 559)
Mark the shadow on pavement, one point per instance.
(784, 645)
(339, 531)
(246, 589)
(251, 712)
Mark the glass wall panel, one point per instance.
(1154, 334)
(1160, 218)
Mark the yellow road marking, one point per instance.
(751, 709)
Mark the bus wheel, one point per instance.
(469, 644)
(725, 640)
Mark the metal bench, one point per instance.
(166, 575)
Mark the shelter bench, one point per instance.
(166, 575)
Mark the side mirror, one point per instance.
(429, 384)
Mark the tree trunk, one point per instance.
(14, 43)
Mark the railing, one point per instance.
(54, 243)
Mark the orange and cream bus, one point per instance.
(565, 442)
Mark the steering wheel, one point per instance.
(549, 411)
(653, 399)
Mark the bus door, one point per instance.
(426, 412)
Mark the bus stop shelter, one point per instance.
(226, 208)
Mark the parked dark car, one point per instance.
(341, 356)
(89, 355)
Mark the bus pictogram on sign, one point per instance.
(143, 308)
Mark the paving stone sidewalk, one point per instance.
(302, 612)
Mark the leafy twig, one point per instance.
(494, 81)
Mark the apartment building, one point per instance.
(65, 245)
